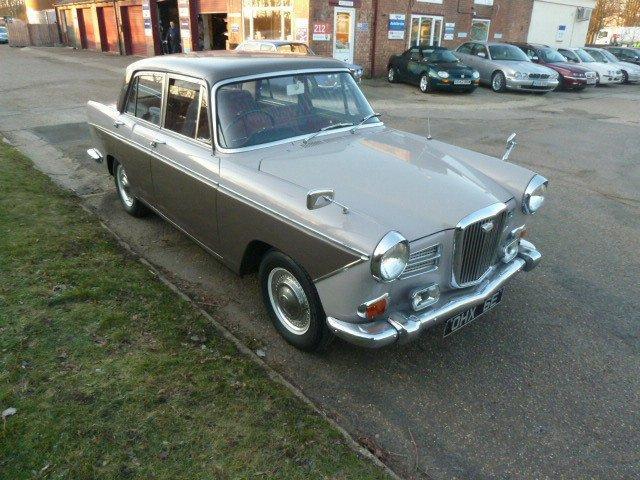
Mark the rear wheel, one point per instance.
(498, 82)
(425, 84)
(560, 84)
(293, 303)
(391, 75)
(625, 77)
(129, 202)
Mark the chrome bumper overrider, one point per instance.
(402, 328)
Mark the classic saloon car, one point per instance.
(432, 68)
(355, 229)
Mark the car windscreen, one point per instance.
(584, 56)
(507, 52)
(3, 29)
(610, 56)
(598, 56)
(549, 55)
(269, 109)
(440, 56)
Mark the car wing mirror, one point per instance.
(534, 58)
(321, 198)
(481, 54)
(511, 144)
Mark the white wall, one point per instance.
(548, 15)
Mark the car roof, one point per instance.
(214, 66)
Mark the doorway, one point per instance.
(213, 31)
(344, 33)
(426, 31)
(167, 12)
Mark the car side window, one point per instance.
(204, 132)
(465, 48)
(416, 56)
(145, 98)
(183, 107)
(569, 54)
(270, 48)
(478, 48)
(530, 53)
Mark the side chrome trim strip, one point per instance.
(340, 270)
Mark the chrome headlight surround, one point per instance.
(534, 194)
(390, 257)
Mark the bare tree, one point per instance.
(12, 8)
(606, 11)
(630, 15)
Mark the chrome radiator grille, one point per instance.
(421, 261)
(476, 245)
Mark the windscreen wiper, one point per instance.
(364, 120)
(324, 129)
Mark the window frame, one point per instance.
(481, 20)
(165, 94)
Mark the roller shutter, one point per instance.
(86, 31)
(133, 28)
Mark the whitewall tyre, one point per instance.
(129, 202)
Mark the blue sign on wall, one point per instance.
(396, 26)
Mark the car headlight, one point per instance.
(519, 75)
(390, 257)
(476, 74)
(443, 74)
(534, 194)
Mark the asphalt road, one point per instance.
(545, 386)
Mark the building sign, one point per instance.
(497, 36)
(462, 34)
(321, 31)
(562, 29)
(449, 28)
(302, 30)
(146, 16)
(345, 3)
(396, 26)
(362, 26)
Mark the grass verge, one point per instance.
(114, 376)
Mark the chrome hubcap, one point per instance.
(497, 82)
(391, 74)
(289, 301)
(124, 188)
(423, 84)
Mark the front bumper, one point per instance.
(527, 85)
(606, 79)
(633, 77)
(402, 328)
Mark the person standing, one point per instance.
(173, 38)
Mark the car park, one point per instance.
(505, 67)
(287, 47)
(571, 76)
(606, 73)
(432, 68)
(630, 71)
(4, 35)
(343, 218)
(625, 54)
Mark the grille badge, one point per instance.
(487, 226)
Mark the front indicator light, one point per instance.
(374, 308)
(425, 297)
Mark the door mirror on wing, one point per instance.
(482, 54)
(319, 198)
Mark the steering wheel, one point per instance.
(244, 115)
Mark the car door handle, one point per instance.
(117, 123)
(155, 142)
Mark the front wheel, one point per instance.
(293, 302)
(498, 82)
(425, 84)
(560, 84)
(597, 79)
(129, 202)
(625, 77)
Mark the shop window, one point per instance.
(267, 19)
(480, 30)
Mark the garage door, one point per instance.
(133, 29)
(108, 29)
(88, 36)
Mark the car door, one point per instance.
(185, 171)
(482, 63)
(414, 67)
(402, 62)
(141, 114)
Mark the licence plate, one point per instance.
(465, 318)
(539, 83)
(462, 82)
(591, 81)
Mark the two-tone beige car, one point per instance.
(355, 229)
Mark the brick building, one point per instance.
(366, 32)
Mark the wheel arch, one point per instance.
(111, 160)
(253, 254)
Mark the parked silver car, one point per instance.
(355, 229)
(630, 71)
(506, 67)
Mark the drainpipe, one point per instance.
(372, 53)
